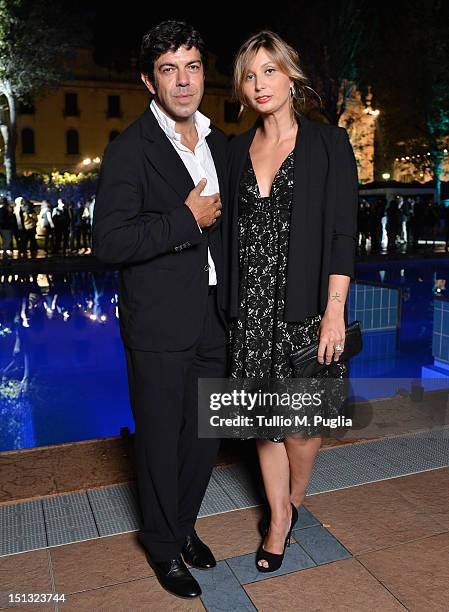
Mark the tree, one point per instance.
(330, 37)
(37, 38)
(428, 25)
(408, 69)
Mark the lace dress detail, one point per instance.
(260, 340)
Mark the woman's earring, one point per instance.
(291, 99)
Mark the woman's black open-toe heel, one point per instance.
(275, 560)
(265, 519)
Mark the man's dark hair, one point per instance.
(168, 36)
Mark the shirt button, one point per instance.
(206, 267)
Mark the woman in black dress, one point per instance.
(294, 232)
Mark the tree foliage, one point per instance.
(408, 68)
(331, 37)
(37, 38)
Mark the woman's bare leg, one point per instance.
(301, 454)
(275, 466)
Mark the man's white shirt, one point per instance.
(199, 164)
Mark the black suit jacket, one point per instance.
(142, 223)
(323, 231)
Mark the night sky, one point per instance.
(397, 48)
(117, 34)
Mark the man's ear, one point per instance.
(148, 84)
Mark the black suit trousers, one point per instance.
(173, 465)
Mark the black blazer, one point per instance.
(141, 222)
(323, 231)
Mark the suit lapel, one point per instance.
(235, 172)
(220, 167)
(161, 154)
(297, 270)
(219, 161)
(237, 163)
(302, 174)
(239, 160)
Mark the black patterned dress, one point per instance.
(260, 340)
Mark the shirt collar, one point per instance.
(202, 124)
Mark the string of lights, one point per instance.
(418, 156)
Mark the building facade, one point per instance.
(68, 128)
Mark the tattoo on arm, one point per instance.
(336, 297)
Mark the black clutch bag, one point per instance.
(306, 365)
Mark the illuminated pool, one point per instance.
(62, 364)
(417, 280)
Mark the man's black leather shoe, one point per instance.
(175, 577)
(196, 553)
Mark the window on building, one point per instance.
(28, 141)
(26, 108)
(231, 112)
(114, 106)
(72, 142)
(113, 134)
(71, 105)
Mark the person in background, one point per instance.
(48, 226)
(403, 218)
(30, 224)
(409, 222)
(393, 224)
(431, 219)
(75, 226)
(91, 213)
(375, 224)
(363, 223)
(419, 221)
(6, 228)
(85, 227)
(446, 220)
(19, 226)
(61, 220)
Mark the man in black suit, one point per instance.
(158, 218)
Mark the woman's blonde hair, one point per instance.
(283, 55)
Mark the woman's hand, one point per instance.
(331, 336)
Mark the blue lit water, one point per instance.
(417, 280)
(62, 364)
